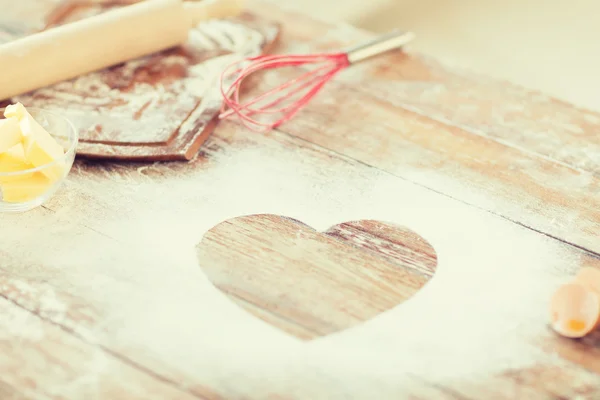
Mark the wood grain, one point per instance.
(40, 361)
(107, 270)
(159, 107)
(502, 111)
(228, 140)
(522, 186)
(538, 169)
(312, 284)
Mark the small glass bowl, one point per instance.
(30, 188)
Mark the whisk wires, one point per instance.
(283, 101)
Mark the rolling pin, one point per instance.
(94, 43)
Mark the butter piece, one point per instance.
(10, 133)
(13, 160)
(40, 147)
(17, 111)
(24, 145)
(26, 188)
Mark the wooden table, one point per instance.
(247, 273)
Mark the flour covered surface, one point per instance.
(159, 107)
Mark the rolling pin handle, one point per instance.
(199, 11)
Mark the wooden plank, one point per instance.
(40, 361)
(573, 351)
(567, 382)
(505, 112)
(523, 187)
(537, 383)
(522, 177)
(8, 392)
(115, 201)
(71, 291)
(312, 284)
(57, 346)
(158, 107)
(111, 260)
(391, 242)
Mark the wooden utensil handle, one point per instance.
(390, 41)
(199, 11)
(74, 49)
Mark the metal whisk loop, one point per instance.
(299, 91)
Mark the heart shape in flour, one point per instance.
(309, 283)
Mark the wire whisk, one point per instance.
(284, 101)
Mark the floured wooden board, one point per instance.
(160, 107)
(355, 270)
(399, 239)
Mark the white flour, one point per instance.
(42, 298)
(96, 100)
(478, 316)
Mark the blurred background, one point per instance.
(549, 45)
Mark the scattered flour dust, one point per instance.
(22, 328)
(86, 384)
(97, 92)
(29, 298)
(479, 315)
(18, 325)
